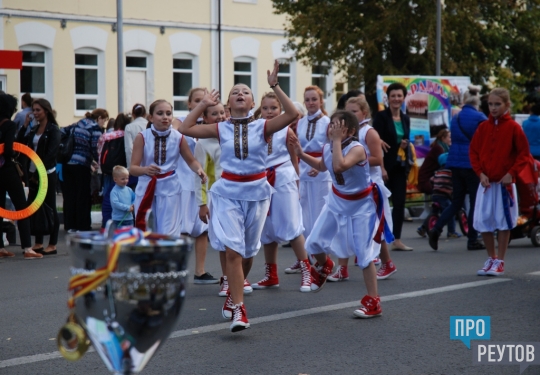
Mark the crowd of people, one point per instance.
(241, 178)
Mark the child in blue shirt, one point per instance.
(122, 198)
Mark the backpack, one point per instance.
(113, 153)
(66, 146)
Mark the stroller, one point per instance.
(528, 223)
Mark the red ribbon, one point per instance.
(242, 178)
(146, 203)
(315, 154)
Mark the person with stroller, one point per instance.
(464, 179)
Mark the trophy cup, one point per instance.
(128, 288)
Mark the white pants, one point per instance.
(237, 224)
(167, 214)
(312, 200)
(191, 224)
(489, 212)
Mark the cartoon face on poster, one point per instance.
(430, 104)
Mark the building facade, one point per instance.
(70, 52)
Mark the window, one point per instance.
(86, 81)
(3, 83)
(135, 62)
(318, 77)
(284, 77)
(182, 81)
(33, 73)
(340, 90)
(242, 72)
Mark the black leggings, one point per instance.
(77, 199)
(50, 200)
(10, 183)
(397, 184)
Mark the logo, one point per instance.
(467, 328)
(523, 354)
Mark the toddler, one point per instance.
(122, 198)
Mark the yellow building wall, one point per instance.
(256, 15)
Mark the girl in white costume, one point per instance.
(191, 224)
(241, 198)
(353, 216)
(156, 151)
(369, 138)
(284, 220)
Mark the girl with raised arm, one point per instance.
(241, 198)
(156, 151)
(353, 216)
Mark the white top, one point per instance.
(188, 176)
(375, 172)
(314, 144)
(130, 132)
(278, 153)
(355, 179)
(235, 160)
(35, 142)
(169, 185)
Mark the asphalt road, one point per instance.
(299, 333)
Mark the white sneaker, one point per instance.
(377, 261)
(341, 274)
(486, 268)
(305, 287)
(295, 268)
(247, 287)
(224, 291)
(228, 308)
(497, 268)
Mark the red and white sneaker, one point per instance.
(327, 267)
(270, 280)
(295, 268)
(370, 308)
(317, 280)
(386, 270)
(341, 274)
(224, 291)
(306, 276)
(247, 287)
(497, 268)
(377, 261)
(486, 268)
(228, 307)
(240, 320)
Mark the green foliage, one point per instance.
(366, 38)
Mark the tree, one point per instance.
(370, 37)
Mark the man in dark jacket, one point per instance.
(464, 180)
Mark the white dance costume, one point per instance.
(284, 220)
(313, 190)
(190, 222)
(496, 208)
(241, 197)
(376, 176)
(349, 221)
(164, 199)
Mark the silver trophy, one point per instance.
(128, 313)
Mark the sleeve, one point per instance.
(8, 129)
(521, 144)
(200, 188)
(128, 143)
(52, 146)
(474, 151)
(378, 125)
(132, 195)
(96, 134)
(117, 203)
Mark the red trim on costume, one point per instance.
(271, 174)
(146, 202)
(243, 178)
(353, 197)
(315, 154)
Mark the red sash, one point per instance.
(271, 174)
(315, 154)
(353, 197)
(146, 203)
(242, 178)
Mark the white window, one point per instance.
(86, 80)
(3, 83)
(318, 77)
(286, 77)
(36, 73)
(245, 72)
(185, 77)
(136, 79)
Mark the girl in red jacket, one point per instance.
(499, 151)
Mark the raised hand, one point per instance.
(337, 130)
(273, 77)
(210, 98)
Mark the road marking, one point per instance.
(272, 318)
(537, 273)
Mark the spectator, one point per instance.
(531, 128)
(77, 172)
(137, 125)
(464, 181)
(44, 139)
(440, 145)
(10, 181)
(393, 127)
(26, 109)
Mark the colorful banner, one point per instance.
(429, 103)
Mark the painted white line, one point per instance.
(537, 273)
(273, 318)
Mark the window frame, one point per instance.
(329, 82)
(252, 74)
(194, 78)
(100, 67)
(48, 65)
(291, 75)
(149, 70)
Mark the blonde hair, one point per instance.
(503, 94)
(320, 92)
(267, 95)
(119, 170)
(362, 104)
(192, 92)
